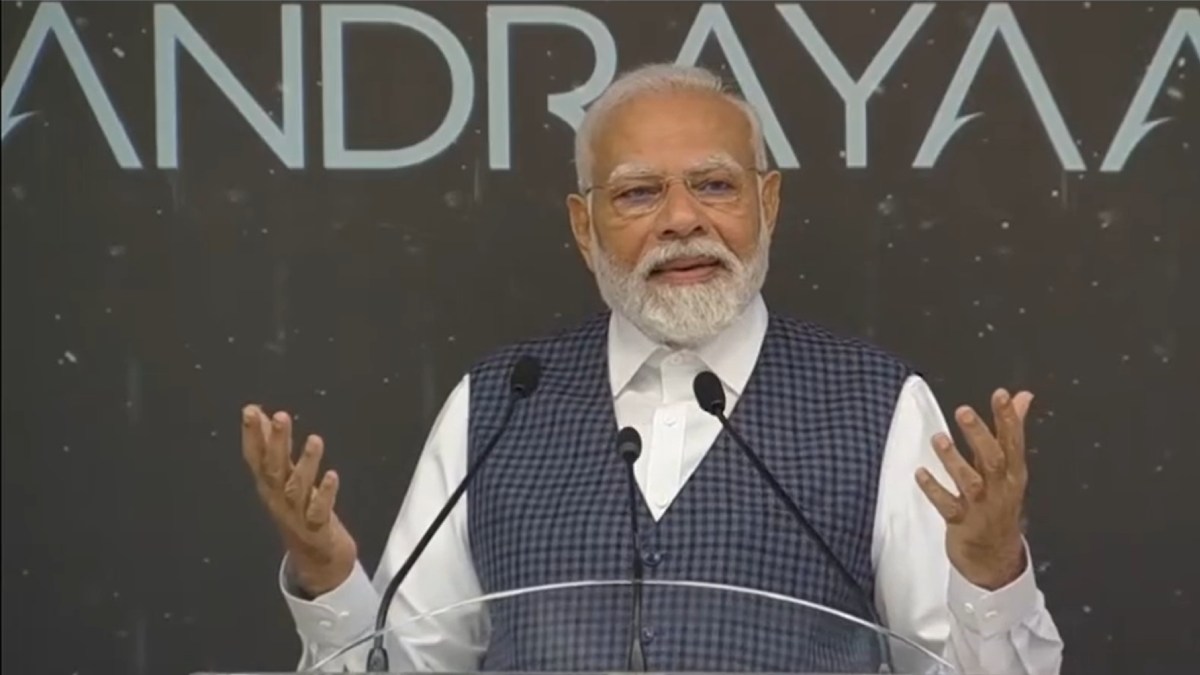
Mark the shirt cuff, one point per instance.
(336, 618)
(990, 613)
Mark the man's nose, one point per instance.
(680, 216)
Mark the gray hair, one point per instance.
(657, 78)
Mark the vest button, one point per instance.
(652, 558)
(648, 634)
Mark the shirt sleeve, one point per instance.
(919, 594)
(443, 576)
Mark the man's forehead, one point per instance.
(673, 132)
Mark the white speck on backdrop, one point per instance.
(119, 52)
(1004, 225)
(1175, 93)
(70, 356)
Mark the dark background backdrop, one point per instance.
(142, 308)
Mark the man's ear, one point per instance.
(581, 226)
(771, 184)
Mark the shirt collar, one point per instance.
(731, 354)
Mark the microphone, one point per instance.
(522, 382)
(711, 397)
(629, 447)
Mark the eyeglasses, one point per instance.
(722, 188)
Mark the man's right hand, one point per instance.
(322, 554)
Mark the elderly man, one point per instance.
(674, 217)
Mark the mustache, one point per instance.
(688, 248)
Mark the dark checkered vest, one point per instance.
(552, 506)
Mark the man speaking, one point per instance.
(674, 216)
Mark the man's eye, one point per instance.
(638, 193)
(716, 186)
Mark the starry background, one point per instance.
(142, 308)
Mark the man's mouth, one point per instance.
(690, 270)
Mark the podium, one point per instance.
(616, 626)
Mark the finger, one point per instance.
(320, 505)
(300, 484)
(1021, 402)
(254, 443)
(970, 484)
(277, 463)
(1010, 431)
(949, 506)
(989, 457)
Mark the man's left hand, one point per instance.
(983, 522)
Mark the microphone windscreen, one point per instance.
(629, 444)
(526, 375)
(709, 393)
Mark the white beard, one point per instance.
(688, 315)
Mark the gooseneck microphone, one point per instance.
(711, 397)
(522, 382)
(629, 447)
